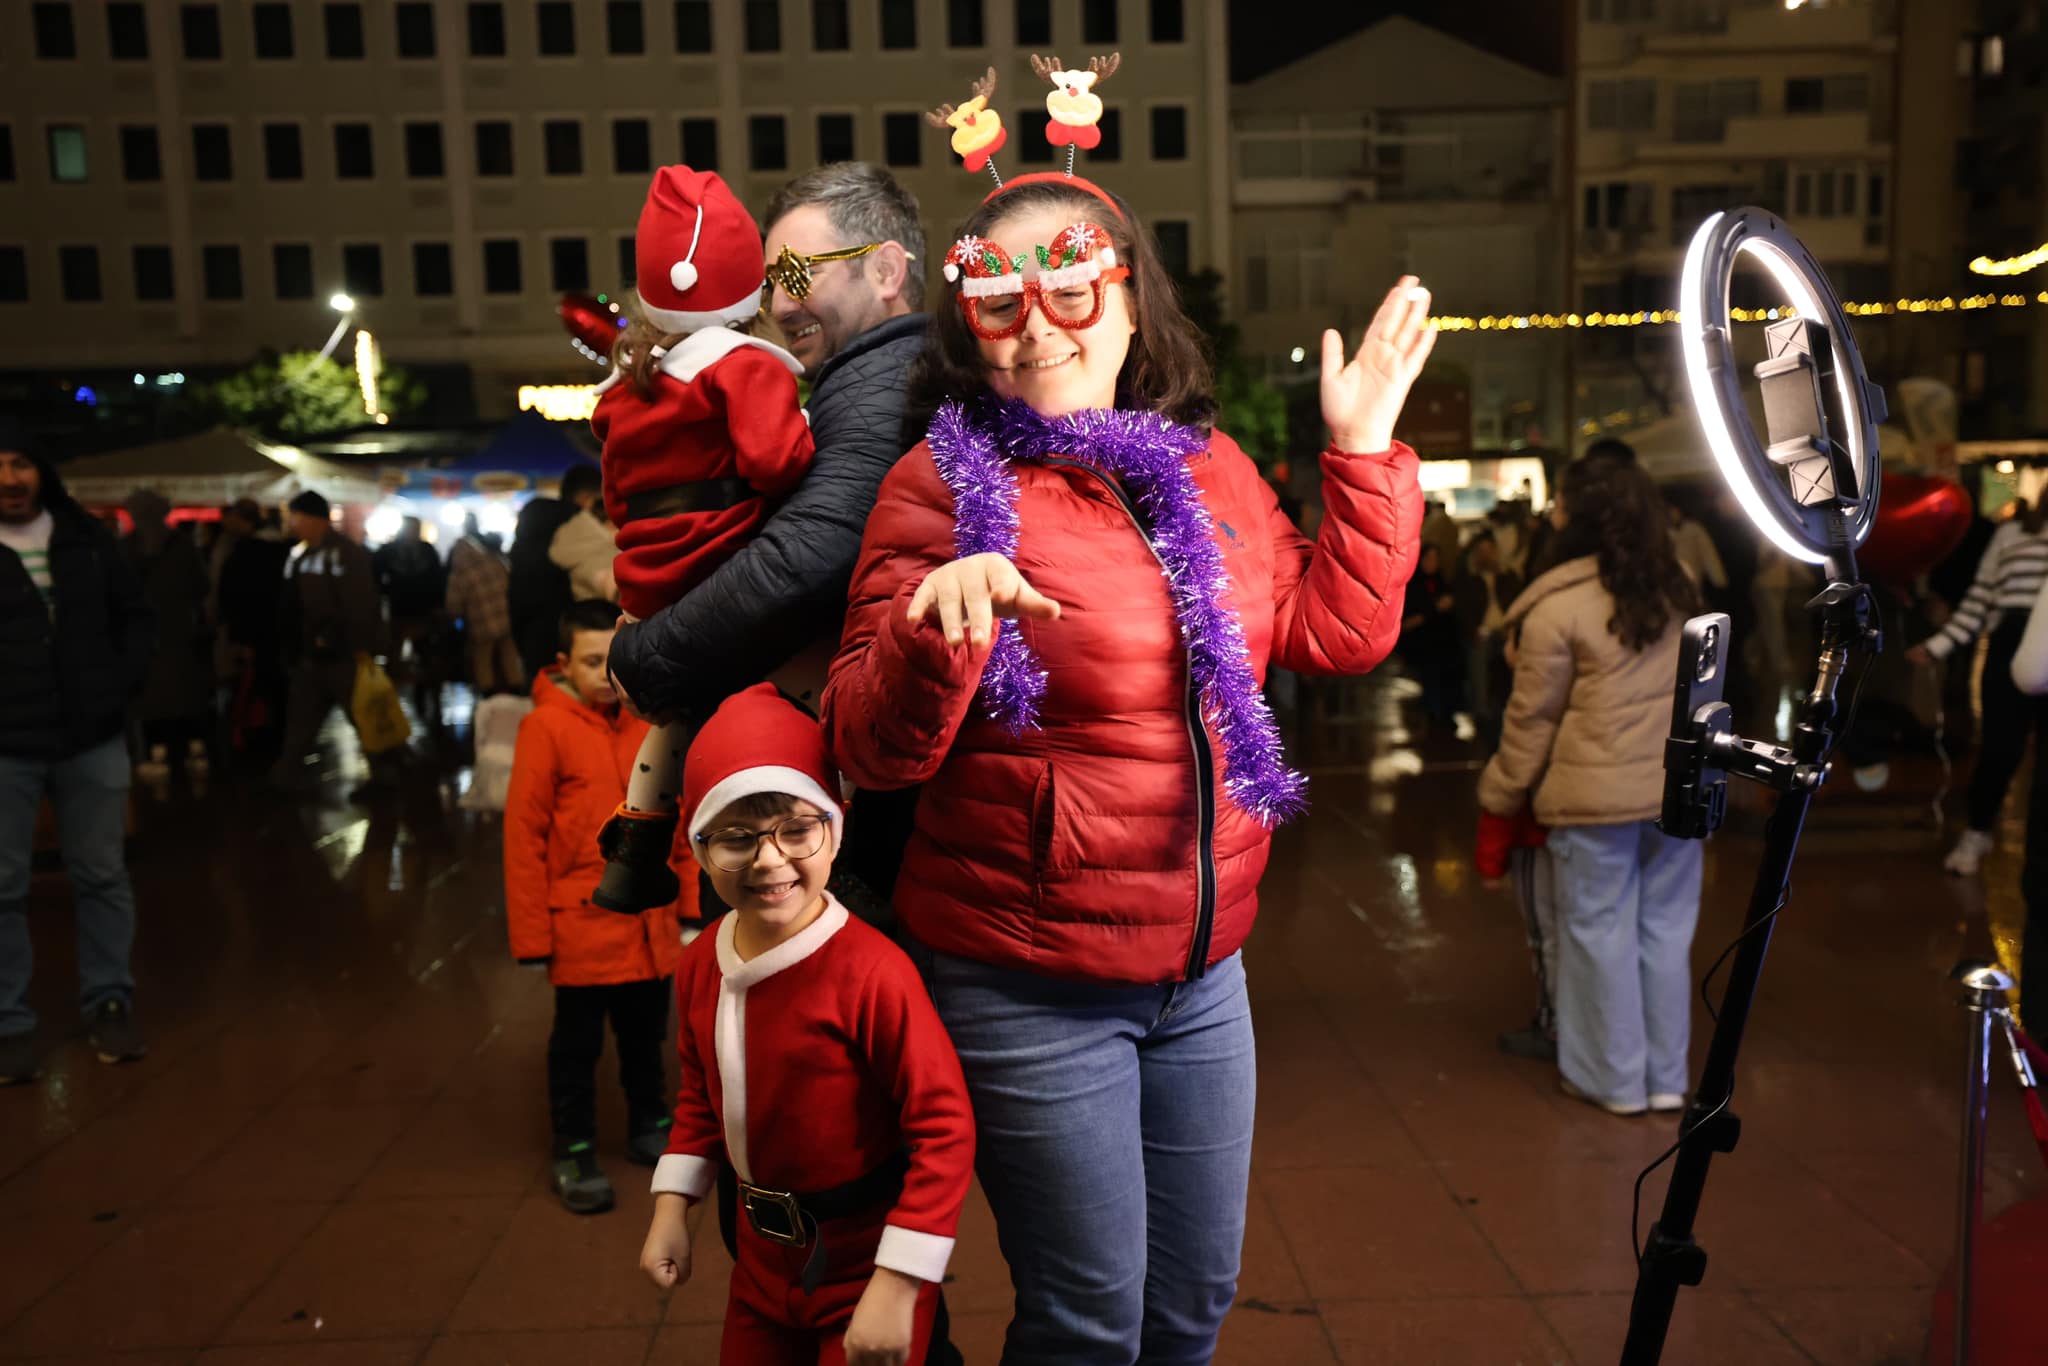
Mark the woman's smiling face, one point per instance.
(1054, 370)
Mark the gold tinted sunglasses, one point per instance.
(792, 270)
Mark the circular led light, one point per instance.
(1805, 533)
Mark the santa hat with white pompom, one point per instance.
(698, 253)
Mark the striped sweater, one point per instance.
(2008, 580)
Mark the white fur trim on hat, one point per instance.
(750, 782)
(675, 320)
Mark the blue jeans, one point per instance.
(90, 793)
(1628, 897)
(1115, 1149)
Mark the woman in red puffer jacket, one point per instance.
(1062, 614)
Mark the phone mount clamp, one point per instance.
(1813, 492)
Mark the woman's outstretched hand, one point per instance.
(966, 596)
(1362, 399)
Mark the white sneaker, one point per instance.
(1968, 856)
(1612, 1107)
(1666, 1102)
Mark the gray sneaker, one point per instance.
(18, 1062)
(580, 1184)
(111, 1025)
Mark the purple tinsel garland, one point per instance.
(1148, 455)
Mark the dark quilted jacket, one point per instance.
(787, 587)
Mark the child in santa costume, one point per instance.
(702, 431)
(812, 1062)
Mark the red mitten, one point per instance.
(1490, 849)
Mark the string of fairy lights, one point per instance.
(2012, 265)
(1664, 317)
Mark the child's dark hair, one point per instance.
(1166, 372)
(592, 614)
(762, 806)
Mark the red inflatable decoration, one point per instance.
(593, 322)
(1919, 521)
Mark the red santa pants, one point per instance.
(770, 1321)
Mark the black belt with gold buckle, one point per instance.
(793, 1220)
(775, 1215)
(705, 495)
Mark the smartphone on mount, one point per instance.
(1695, 788)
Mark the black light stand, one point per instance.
(1698, 760)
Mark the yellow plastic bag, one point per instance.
(380, 720)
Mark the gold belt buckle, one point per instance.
(752, 1198)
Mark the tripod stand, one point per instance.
(1697, 765)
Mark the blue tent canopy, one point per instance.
(527, 455)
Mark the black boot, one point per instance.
(637, 877)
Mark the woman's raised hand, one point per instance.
(1362, 399)
(966, 596)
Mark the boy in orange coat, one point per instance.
(569, 773)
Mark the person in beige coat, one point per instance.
(1583, 740)
(585, 547)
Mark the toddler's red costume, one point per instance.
(691, 471)
(820, 1071)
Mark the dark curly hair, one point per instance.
(1166, 372)
(1614, 513)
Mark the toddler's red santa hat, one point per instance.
(698, 253)
(757, 741)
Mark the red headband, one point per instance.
(1059, 178)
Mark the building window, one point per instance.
(501, 266)
(764, 25)
(831, 26)
(221, 267)
(415, 22)
(1032, 148)
(6, 152)
(902, 139)
(354, 157)
(767, 143)
(693, 25)
(1619, 206)
(13, 275)
(1170, 133)
(291, 270)
(569, 264)
(1701, 109)
(344, 32)
(78, 270)
(272, 24)
(141, 158)
(1175, 254)
(1098, 21)
(1111, 148)
(1285, 270)
(632, 146)
(433, 270)
(964, 24)
(700, 144)
(899, 24)
(629, 264)
(1615, 105)
(153, 275)
(625, 28)
(1034, 23)
(557, 22)
(127, 33)
(424, 156)
(68, 165)
(1169, 21)
(1843, 94)
(486, 29)
(283, 158)
(494, 148)
(56, 40)
(563, 141)
(362, 269)
(835, 137)
(200, 26)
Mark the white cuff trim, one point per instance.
(923, 1255)
(684, 1175)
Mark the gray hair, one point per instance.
(864, 203)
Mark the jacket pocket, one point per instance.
(1042, 807)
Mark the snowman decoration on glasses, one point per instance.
(1064, 279)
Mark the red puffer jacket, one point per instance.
(1100, 846)
(569, 774)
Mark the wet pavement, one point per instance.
(335, 1153)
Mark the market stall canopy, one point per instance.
(528, 455)
(213, 468)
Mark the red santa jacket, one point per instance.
(689, 474)
(813, 1064)
(1077, 849)
(569, 774)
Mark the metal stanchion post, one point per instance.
(1984, 988)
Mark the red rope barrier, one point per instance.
(2027, 1057)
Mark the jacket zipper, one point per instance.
(1205, 762)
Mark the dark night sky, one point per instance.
(1530, 33)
